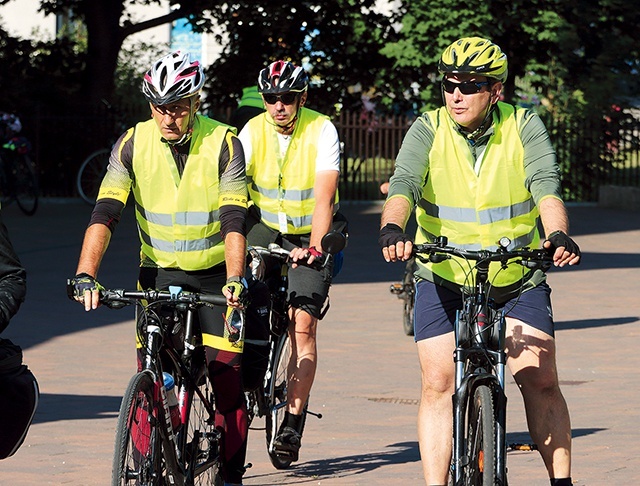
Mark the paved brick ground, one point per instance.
(367, 384)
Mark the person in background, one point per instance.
(187, 174)
(250, 105)
(475, 170)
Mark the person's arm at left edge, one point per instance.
(13, 279)
(324, 190)
(233, 214)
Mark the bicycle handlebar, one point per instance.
(440, 251)
(117, 298)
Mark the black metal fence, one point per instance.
(591, 153)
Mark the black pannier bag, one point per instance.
(255, 356)
(19, 394)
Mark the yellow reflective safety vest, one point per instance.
(472, 207)
(283, 187)
(178, 220)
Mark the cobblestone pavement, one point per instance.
(367, 385)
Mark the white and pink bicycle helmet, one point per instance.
(172, 78)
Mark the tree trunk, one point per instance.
(104, 40)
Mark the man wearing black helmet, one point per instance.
(476, 170)
(187, 175)
(293, 164)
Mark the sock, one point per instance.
(561, 482)
(295, 421)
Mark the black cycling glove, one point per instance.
(560, 238)
(391, 234)
(80, 283)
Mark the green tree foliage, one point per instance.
(337, 41)
(579, 55)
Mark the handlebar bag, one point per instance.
(19, 395)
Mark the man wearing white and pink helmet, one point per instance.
(187, 175)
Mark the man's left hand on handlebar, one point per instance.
(565, 250)
(308, 255)
(395, 243)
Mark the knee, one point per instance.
(538, 380)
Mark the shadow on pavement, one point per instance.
(342, 467)
(589, 323)
(55, 407)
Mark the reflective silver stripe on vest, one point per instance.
(296, 222)
(289, 194)
(469, 215)
(181, 245)
(191, 218)
(162, 219)
(197, 218)
(519, 242)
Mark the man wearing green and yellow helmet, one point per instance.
(476, 170)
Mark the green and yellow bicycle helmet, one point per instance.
(474, 55)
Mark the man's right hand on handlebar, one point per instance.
(86, 290)
(395, 243)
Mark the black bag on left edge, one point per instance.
(19, 394)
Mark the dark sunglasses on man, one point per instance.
(286, 98)
(466, 88)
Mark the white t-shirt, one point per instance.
(328, 146)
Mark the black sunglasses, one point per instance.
(286, 98)
(466, 88)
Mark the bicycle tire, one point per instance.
(409, 288)
(138, 457)
(481, 446)
(278, 385)
(25, 184)
(91, 173)
(202, 446)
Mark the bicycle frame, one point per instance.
(479, 358)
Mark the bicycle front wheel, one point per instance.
(481, 446)
(25, 184)
(138, 458)
(409, 287)
(278, 385)
(91, 173)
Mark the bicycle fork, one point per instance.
(466, 384)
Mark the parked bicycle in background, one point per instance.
(18, 180)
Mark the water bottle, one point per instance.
(172, 400)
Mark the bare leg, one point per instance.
(304, 359)
(435, 416)
(532, 360)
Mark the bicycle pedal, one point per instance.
(523, 447)
(396, 288)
